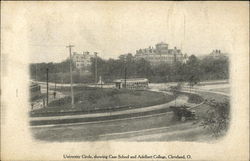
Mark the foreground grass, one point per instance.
(90, 100)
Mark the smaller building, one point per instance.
(136, 83)
(82, 61)
(35, 90)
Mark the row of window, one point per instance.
(137, 83)
(160, 56)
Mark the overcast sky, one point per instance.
(115, 28)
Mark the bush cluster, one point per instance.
(194, 98)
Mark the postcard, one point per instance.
(125, 80)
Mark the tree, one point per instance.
(217, 118)
(193, 71)
(215, 68)
(175, 90)
(142, 68)
(178, 70)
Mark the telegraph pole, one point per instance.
(71, 79)
(36, 73)
(55, 84)
(96, 81)
(125, 79)
(125, 73)
(47, 73)
(55, 78)
(55, 87)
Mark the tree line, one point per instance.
(194, 70)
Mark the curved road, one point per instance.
(160, 127)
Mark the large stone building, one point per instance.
(82, 61)
(160, 54)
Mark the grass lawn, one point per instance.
(36, 98)
(90, 100)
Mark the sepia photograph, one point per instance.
(125, 72)
(129, 84)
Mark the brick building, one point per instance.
(82, 61)
(160, 54)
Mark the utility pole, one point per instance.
(125, 77)
(55, 84)
(55, 79)
(61, 82)
(36, 73)
(125, 73)
(96, 68)
(71, 79)
(55, 87)
(47, 73)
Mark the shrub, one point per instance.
(217, 118)
(61, 101)
(194, 98)
(112, 92)
(137, 93)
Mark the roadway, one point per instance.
(160, 127)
